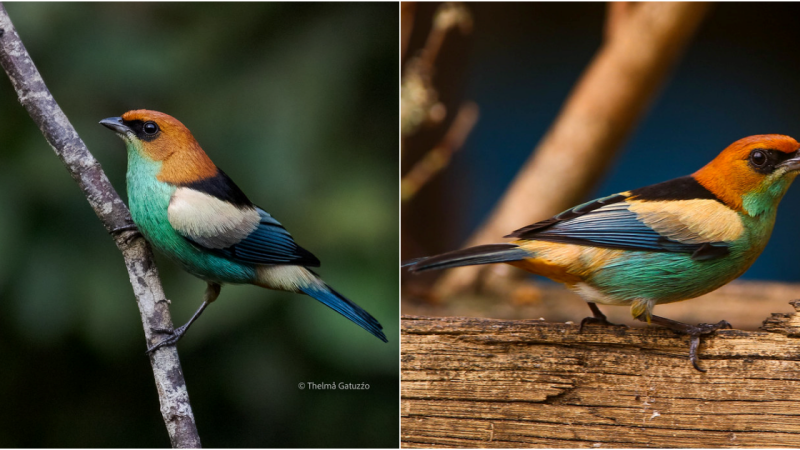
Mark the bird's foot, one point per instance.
(121, 229)
(172, 338)
(598, 318)
(695, 331)
(599, 321)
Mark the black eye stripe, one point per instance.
(765, 160)
(138, 127)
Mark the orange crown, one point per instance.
(729, 175)
(183, 160)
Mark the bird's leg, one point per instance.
(694, 332)
(597, 318)
(211, 294)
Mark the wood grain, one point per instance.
(528, 383)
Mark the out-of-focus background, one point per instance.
(298, 104)
(518, 62)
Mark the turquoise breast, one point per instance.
(669, 277)
(148, 200)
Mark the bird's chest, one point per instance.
(148, 200)
(667, 277)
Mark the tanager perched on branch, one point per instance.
(194, 213)
(663, 243)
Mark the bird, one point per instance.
(191, 211)
(658, 244)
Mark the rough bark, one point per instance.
(644, 42)
(528, 383)
(114, 215)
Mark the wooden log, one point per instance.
(528, 383)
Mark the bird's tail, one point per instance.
(482, 254)
(345, 307)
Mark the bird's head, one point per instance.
(160, 138)
(753, 173)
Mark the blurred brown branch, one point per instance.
(438, 157)
(618, 13)
(84, 168)
(407, 10)
(644, 41)
(419, 99)
(420, 103)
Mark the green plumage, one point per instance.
(148, 199)
(669, 277)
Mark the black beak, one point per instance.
(115, 124)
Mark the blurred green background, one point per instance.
(296, 102)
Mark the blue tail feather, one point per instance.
(345, 307)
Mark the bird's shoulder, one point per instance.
(214, 214)
(679, 215)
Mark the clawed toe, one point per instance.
(162, 330)
(694, 332)
(172, 338)
(694, 342)
(707, 328)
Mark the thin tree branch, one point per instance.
(84, 168)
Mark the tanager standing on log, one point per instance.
(663, 243)
(193, 212)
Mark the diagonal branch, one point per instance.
(86, 171)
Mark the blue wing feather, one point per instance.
(270, 243)
(607, 222)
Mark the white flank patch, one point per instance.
(591, 294)
(209, 221)
(286, 278)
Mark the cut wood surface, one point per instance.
(527, 383)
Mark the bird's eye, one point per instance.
(150, 128)
(758, 158)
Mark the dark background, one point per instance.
(296, 102)
(738, 78)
